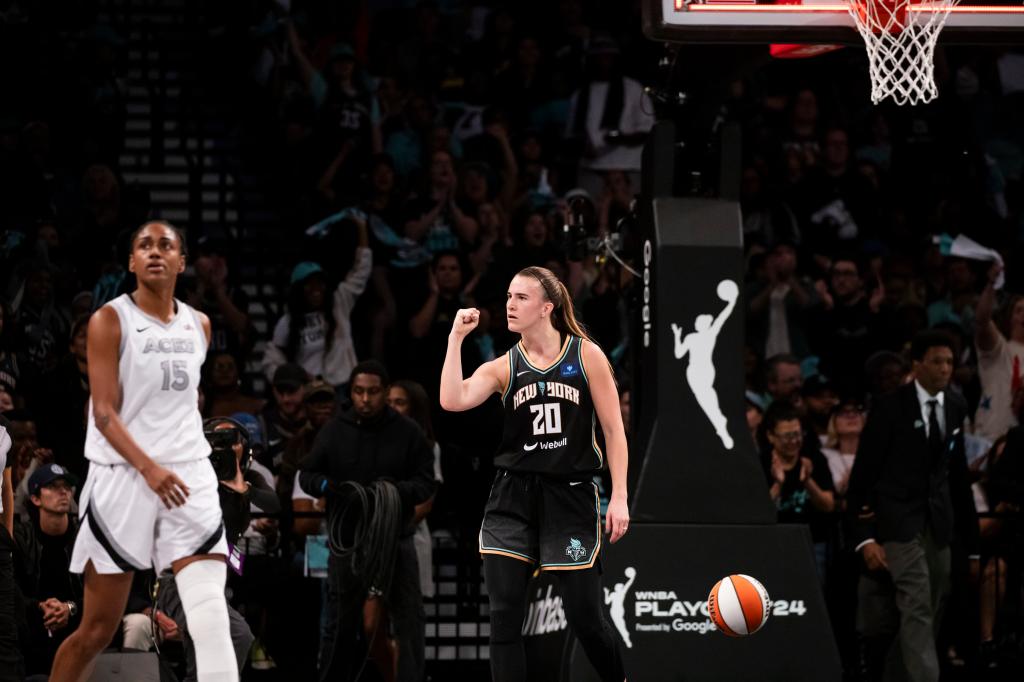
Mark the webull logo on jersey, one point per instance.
(546, 389)
(169, 346)
(661, 611)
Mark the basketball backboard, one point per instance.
(814, 21)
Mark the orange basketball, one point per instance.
(739, 605)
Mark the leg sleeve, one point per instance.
(581, 598)
(506, 589)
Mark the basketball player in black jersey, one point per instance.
(543, 509)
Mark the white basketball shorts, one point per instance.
(126, 527)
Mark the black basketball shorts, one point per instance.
(552, 522)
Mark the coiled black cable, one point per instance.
(372, 516)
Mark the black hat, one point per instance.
(318, 389)
(47, 474)
(289, 377)
(816, 385)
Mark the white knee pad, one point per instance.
(201, 587)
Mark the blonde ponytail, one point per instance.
(563, 317)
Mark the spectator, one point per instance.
(225, 394)
(998, 490)
(407, 145)
(41, 325)
(755, 414)
(801, 487)
(908, 497)
(819, 398)
(767, 219)
(225, 303)
(10, 371)
(845, 427)
(62, 401)
(377, 442)
(886, 371)
(320, 403)
(316, 331)
(285, 416)
(784, 379)
(12, 664)
(348, 110)
(433, 218)
(840, 447)
(1000, 356)
(449, 291)
(957, 305)
(802, 139)
(52, 594)
(26, 453)
(845, 326)
(836, 201)
(408, 399)
(610, 115)
(777, 306)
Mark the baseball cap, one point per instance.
(47, 474)
(318, 389)
(251, 424)
(305, 269)
(289, 377)
(816, 385)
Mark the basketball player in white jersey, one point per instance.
(150, 498)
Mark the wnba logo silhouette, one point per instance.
(616, 601)
(700, 345)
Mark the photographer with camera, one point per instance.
(374, 466)
(241, 489)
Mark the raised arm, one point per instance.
(306, 68)
(103, 342)
(606, 404)
(457, 393)
(986, 334)
(723, 316)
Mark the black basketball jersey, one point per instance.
(549, 416)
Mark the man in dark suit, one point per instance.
(909, 494)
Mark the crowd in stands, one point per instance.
(416, 156)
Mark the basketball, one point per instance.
(739, 605)
(727, 290)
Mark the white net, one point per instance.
(900, 36)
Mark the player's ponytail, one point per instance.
(563, 317)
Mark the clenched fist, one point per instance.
(466, 321)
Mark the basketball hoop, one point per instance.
(900, 36)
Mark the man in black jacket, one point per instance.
(366, 443)
(910, 494)
(44, 539)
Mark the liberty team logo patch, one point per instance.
(575, 549)
(569, 370)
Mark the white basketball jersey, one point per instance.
(158, 372)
